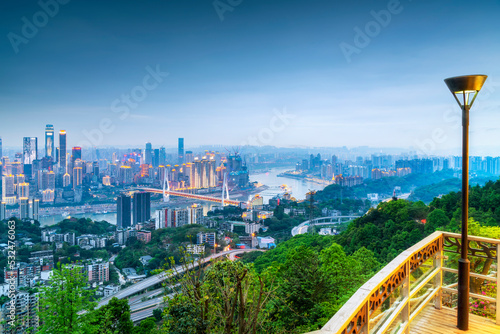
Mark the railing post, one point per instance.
(405, 313)
(438, 280)
(497, 306)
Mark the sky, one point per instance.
(291, 73)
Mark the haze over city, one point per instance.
(348, 73)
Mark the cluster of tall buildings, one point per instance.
(58, 174)
(349, 172)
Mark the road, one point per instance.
(158, 279)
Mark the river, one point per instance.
(298, 189)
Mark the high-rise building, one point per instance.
(147, 154)
(30, 154)
(23, 189)
(141, 207)
(77, 176)
(8, 189)
(34, 207)
(49, 141)
(156, 158)
(62, 150)
(76, 153)
(189, 156)
(24, 208)
(125, 175)
(163, 157)
(181, 151)
(3, 210)
(195, 214)
(123, 206)
(66, 180)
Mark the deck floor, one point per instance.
(444, 321)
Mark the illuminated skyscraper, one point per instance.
(189, 156)
(77, 176)
(62, 150)
(49, 141)
(181, 151)
(23, 189)
(147, 154)
(66, 180)
(123, 206)
(76, 153)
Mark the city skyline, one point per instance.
(230, 74)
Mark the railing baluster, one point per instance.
(497, 306)
(406, 295)
(438, 280)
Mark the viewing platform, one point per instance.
(417, 291)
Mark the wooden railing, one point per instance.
(423, 274)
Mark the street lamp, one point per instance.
(464, 89)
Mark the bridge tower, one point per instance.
(166, 187)
(225, 189)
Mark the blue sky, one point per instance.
(228, 78)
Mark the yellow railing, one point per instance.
(425, 273)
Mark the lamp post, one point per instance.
(463, 88)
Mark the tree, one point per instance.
(61, 301)
(158, 314)
(229, 297)
(113, 318)
(437, 219)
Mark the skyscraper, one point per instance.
(163, 156)
(123, 206)
(49, 141)
(181, 151)
(156, 158)
(30, 150)
(30, 154)
(62, 150)
(147, 154)
(76, 153)
(142, 207)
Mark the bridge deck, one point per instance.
(444, 321)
